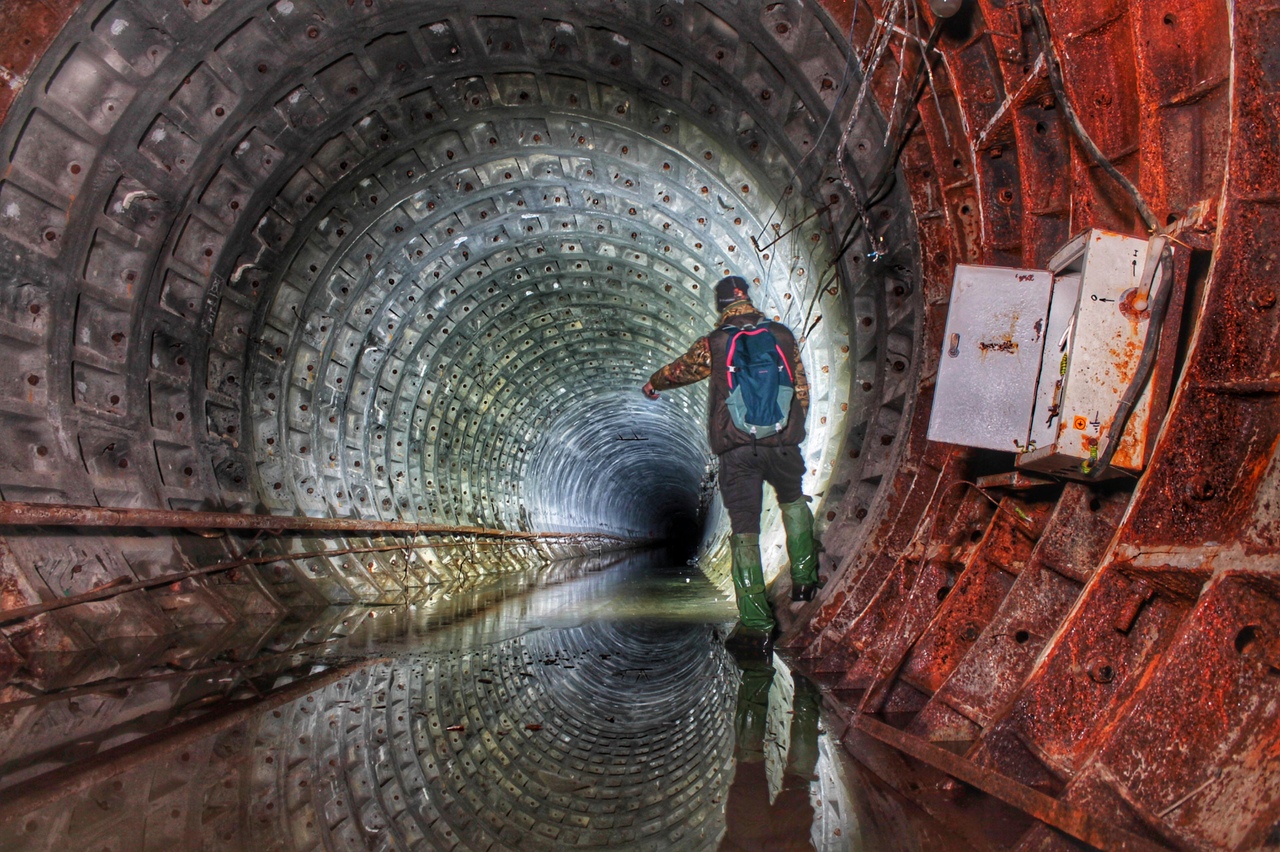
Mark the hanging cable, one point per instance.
(1082, 135)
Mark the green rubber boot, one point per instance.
(801, 550)
(751, 714)
(754, 614)
(806, 703)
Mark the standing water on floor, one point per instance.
(597, 710)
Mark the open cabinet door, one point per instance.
(987, 376)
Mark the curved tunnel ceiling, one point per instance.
(403, 260)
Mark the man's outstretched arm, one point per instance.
(692, 366)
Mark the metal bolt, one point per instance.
(1200, 488)
(1262, 299)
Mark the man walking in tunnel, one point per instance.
(750, 456)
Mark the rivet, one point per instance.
(1100, 671)
(1262, 299)
(1200, 488)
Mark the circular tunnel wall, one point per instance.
(413, 260)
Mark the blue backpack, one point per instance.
(761, 382)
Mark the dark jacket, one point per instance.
(697, 364)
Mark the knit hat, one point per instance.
(725, 287)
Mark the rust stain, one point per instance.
(1009, 346)
(1128, 307)
(26, 31)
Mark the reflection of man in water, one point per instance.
(752, 822)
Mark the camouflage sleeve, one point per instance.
(692, 366)
(800, 380)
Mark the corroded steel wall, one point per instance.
(1110, 646)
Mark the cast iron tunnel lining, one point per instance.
(256, 244)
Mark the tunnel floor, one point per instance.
(591, 706)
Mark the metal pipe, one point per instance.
(52, 787)
(101, 686)
(49, 515)
(116, 587)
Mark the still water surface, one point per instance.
(593, 706)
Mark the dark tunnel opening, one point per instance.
(683, 534)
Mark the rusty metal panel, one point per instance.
(967, 607)
(1193, 757)
(1185, 45)
(1063, 711)
(978, 689)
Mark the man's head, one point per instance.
(730, 289)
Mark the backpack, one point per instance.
(761, 382)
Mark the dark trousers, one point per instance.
(743, 470)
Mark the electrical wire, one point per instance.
(1142, 372)
(1082, 135)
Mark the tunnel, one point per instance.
(324, 324)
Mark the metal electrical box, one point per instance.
(1036, 361)
(986, 387)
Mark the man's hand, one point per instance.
(648, 390)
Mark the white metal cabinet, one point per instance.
(986, 384)
(1103, 347)
(1036, 361)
